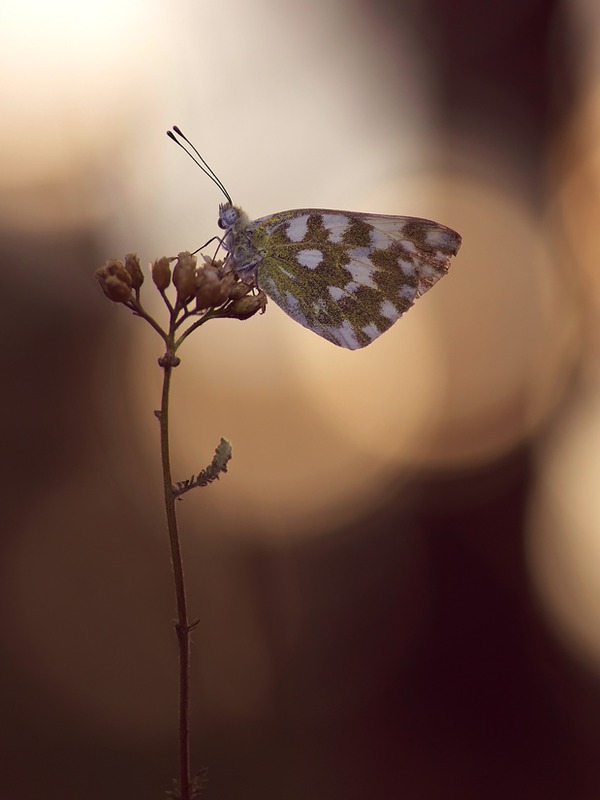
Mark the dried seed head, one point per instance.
(132, 265)
(184, 276)
(212, 287)
(217, 263)
(115, 281)
(247, 306)
(161, 273)
(239, 290)
(228, 281)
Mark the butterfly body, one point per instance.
(345, 275)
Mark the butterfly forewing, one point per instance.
(345, 275)
(349, 276)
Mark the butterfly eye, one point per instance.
(221, 224)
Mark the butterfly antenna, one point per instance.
(201, 162)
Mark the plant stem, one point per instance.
(182, 627)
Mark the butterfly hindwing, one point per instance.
(349, 276)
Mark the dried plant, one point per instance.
(211, 290)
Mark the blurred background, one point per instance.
(397, 582)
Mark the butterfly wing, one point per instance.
(349, 276)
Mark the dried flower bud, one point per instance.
(184, 276)
(132, 265)
(161, 273)
(115, 281)
(228, 281)
(247, 306)
(212, 287)
(239, 290)
(210, 262)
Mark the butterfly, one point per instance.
(345, 275)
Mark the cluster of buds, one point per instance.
(209, 286)
(120, 280)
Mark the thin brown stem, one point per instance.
(182, 627)
(137, 309)
(205, 317)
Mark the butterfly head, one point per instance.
(228, 216)
(234, 222)
(237, 237)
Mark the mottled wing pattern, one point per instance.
(349, 276)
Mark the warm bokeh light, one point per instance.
(430, 392)
(75, 76)
(564, 544)
(564, 537)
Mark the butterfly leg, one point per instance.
(202, 246)
(250, 268)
